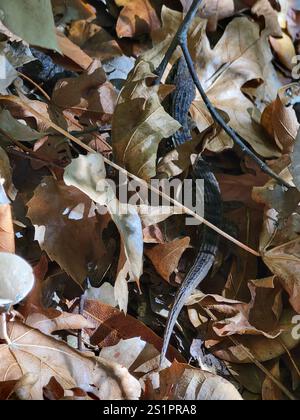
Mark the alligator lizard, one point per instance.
(180, 102)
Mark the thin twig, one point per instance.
(143, 183)
(176, 40)
(15, 142)
(80, 312)
(38, 87)
(290, 356)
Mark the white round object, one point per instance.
(16, 279)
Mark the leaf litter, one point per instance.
(85, 288)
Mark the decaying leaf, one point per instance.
(91, 93)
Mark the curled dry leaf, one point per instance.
(215, 10)
(15, 130)
(7, 234)
(280, 243)
(88, 174)
(285, 50)
(260, 326)
(5, 174)
(280, 121)
(258, 317)
(284, 261)
(295, 162)
(16, 279)
(261, 348)
(121, 292)
(31, 351)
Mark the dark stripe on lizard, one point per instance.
(180, 102)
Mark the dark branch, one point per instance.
(237, 139)
(180, 39)
(183, 30)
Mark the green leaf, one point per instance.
(31, 20)
(13, 129)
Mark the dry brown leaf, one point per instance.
(67, 229)
(88, 174)
(258, 317)
(121, 291)
(284, 261)
(224, 71)
(33, 302)
(73, 52)
(112, 325)
(263, 349)
(215, 10)
(183, 382)
(136, 18)
(166, 257)
(88, 94)
(140, 123)
(153, 235)
(263, 8)
(61, 321)
(285, 50)
(69, 10)
(270, 392)
(53, 149)
(31, 351)
(280, 120)
(7, 234)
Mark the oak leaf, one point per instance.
(31, 351)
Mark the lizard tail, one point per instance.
(207, 252)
